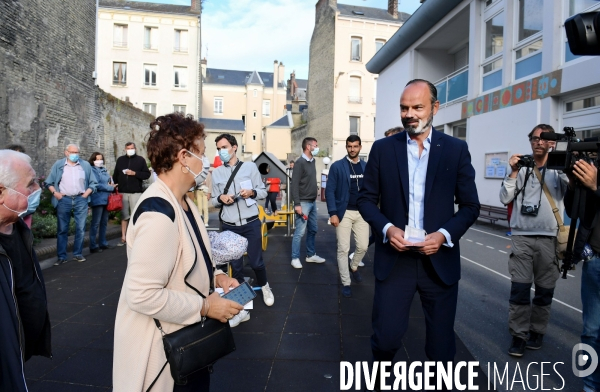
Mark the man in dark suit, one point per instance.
(416, 177)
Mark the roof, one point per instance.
(285, 121)
(370, 13)
(238, 78)
(151, 7)
(302, 83)
(268, 157)
(222, 124)
(424, 18)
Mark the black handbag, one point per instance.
(196, 346)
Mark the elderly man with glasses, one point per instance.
(71, 182)
(534, 227)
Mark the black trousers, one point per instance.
(271, 198)
(393, 297)
(250, 231)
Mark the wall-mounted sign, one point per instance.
(496, 164)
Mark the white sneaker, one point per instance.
(241, 317)
(361, 264)
(296, 263)
(315, 259)
(268, 296)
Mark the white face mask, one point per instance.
(99, 163)
(200, 177)
(130, 152)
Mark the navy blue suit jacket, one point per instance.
(450, 180)
(337, 192)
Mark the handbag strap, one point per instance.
(561, 226)
(237, 167)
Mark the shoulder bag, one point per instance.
(196, 346)
(115, 201)
(226, 189)
(562, 235)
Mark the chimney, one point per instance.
(196, 6)
(292, 86)
(393, 8)
(203, 65)
(281, 72)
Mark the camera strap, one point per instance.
(559, 220)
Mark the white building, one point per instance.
(148, 54)
(501, 67)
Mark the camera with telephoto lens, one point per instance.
(525, 161)
(529, 210)
(569, 149)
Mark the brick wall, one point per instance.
(47, 94)
(321, 77)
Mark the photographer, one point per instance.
(587, 176)
(534, 227)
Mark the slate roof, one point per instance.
(222, 124)
(371, 13)
(151, 7)
(285, 121)
(238, 78)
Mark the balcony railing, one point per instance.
(120, 44)
(352, 99)
(453, 86)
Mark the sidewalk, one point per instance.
(295, 345)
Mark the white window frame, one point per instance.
(490, 12)
(144, 83)
(377, 40)
(181, 86)
(181, 48)
(150, 104)
(360, 49)
(255, 93)
(123, 44)
(254, 113)
(218, 105)
(152, 46)
(357, 124)
(126, 73)
(526, 42)
(177, 108)
(266, 108)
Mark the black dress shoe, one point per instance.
(106, 247)
(96, 250)
(535, 341)
(517, 348)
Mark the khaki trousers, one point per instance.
(202, 204)
(351, 223)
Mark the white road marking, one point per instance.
(572, 276)
(506, 277)
(487, 246)
(469, 240)
(479, 243)
(501, 251)
(495, 235)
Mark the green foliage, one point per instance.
(46, 225)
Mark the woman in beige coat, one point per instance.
(167, 266)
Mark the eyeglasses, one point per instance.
(536, 139)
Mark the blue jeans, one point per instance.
(310, 210)
(98, 226)
(251, 232)
(590, 298)
(78, 205)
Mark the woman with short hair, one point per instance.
(99, 202)
(169, 269)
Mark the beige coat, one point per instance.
(160, 253)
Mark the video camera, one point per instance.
(569, 149)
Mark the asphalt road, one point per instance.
(482, 317)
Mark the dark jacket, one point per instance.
(12, 338)
(131, 184)
(100, 197)
(450, 179)
(337, 191)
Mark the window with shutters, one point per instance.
(120, 36)
(218, 105)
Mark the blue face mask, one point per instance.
(33, 201)
(224, 155)
(74, 158)
(315, 151)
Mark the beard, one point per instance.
(419, 129)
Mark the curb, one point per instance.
(48, 252)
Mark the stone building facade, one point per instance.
(48, 96)
(340, 90)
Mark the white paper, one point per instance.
(247, 184)
(414, 235)
(248, 306)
